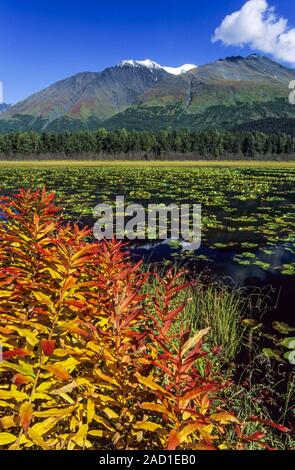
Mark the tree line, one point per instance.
(246, 144)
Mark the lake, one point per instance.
(248, 216)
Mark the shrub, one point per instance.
(89, 360)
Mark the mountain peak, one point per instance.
(151, 65)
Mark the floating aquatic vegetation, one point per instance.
(282, 328)
(248, 210)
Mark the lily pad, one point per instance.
(282, 328)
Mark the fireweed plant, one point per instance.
(91, 360)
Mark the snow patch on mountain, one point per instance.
(151, 65)
(180, 70)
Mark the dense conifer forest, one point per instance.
(145, 145)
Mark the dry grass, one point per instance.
(147, 164)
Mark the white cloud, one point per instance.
(257, 25)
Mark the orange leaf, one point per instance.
(20, 379)
(25, 413)
(59, 372)
(173, 440)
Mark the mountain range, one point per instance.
(231, 93)
(3, 107)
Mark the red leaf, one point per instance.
(47, 346)
(256, 436)
(280, 427)
(15, 353)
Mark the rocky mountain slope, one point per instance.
(141, 95)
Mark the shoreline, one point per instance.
(149, 164)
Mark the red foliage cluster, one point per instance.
(93, 357)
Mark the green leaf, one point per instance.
(22, 368)
(290, 356)
(282, 328)
(288, 343)
(273, 354)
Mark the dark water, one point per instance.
(277, 289)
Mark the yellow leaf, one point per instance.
(223, 446)
(191, 342)
(94, 347)
(106, 398)
(105, 377)
(40, 396)
(148, 382)
(186, 414)
(90, 411)
(155, 407)
(147, 426)
(37, 439)
(59, 352)
(45, 229)
(18, 396)
(69, 364)
(5, 293)
(81, 435)
(110, 413)
(189, 429)
(28, 335)
(96, 433)
(100, 420)
(208, 428)
(5, 404)
(55, 412)
(54, 274)
(224, 418)
(67, 398)
(45, 426)
(8, 422)
(83, 381)
(68, 388)
(6, 438)
(44, 299)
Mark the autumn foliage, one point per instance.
(90, 360)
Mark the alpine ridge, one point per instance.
(143, 95)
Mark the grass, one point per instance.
(215, 305)
(147, 164)
(221, 308)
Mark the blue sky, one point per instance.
(45, 41)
